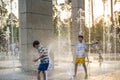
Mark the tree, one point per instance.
(59, 22)
(5, 24)
(3, 16)
(14, 24)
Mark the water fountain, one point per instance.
(11, 63)
(64, 57)
(80, 19)
(106, 43)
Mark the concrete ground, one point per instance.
(108, 70)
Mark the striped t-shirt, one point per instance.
(43, 51)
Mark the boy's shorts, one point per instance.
(43, 66)
(80, 60)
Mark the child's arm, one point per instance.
(41, 56)
(92, 43)
(67, 44)
(73, 45)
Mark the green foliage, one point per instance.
(14, 24)
(5, 23)
(86, 34)
(3, 14)
(59, 25)
(119, 18)
(3, 45)
(96, 33)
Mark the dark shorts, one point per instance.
(43, 66)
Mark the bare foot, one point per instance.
(74, 76)
(86, 76)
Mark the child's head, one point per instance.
(80, 38)
(36, 44)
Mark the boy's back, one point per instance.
(43, 51)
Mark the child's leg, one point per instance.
(38, 75)
(88, 59)
(44, 75)
(76, 65)
(85, 69)
(101, 58)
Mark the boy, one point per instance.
(44, 60)
(80, 55)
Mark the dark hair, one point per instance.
(36, 42)
(80, 36)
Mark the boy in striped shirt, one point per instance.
(44, 59)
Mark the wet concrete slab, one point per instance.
(108, 70)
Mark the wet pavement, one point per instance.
(108, 70)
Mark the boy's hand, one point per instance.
(35, 60)
(43, 56)
(96, 42)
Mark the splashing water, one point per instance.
(70, 72)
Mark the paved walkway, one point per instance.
(109, 70)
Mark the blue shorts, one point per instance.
(43, 66)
